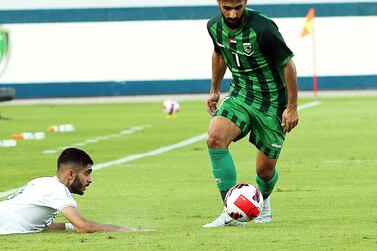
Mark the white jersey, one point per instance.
(34, 207)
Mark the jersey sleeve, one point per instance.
(273, 45)
(60, 198)
(216, 47)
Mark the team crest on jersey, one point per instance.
(247, 49)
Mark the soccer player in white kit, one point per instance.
(34, 207)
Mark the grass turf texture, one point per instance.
(325, 198)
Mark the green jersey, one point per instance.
(255, 53)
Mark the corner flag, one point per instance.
(309, 29)
(308, 26)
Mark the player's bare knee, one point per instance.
(265, 171)
(215, 141)
(265, 174)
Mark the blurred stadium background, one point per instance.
(104, 48)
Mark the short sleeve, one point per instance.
(60, 198)
(216, 47)
(273, 45)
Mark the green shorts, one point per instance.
(266, 132)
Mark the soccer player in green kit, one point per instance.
(262, 99)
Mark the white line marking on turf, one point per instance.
(156, 151)
(99, 138)
(308, 105)
(151, 153)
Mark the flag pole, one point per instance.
(315, 76)
(309, 29)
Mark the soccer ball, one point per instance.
(243, 202)
(170, 107)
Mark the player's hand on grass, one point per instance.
(212, 102)
(129, 229)
(289, 118)
(132, 229)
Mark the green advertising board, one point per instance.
(4, 44)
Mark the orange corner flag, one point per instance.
(308, 27)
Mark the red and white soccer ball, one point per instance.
(170, 107)
(243, 202)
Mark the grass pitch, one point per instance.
(326, 197)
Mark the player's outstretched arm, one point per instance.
(290, 115)
(82, 225)
(218, 72)
(55, 227)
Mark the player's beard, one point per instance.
(233, 23)
(76, 186)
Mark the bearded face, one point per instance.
(233, 23)
(77, 186)
(232, 12)
(81, 181)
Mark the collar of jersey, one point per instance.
(56, 177)
(239, 29)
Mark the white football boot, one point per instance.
(224, 220)
(266, 215)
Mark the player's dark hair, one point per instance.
(74, 156)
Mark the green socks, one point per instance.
(266, 187)
(225, 173)
(223, 169)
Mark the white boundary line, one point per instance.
(99, 138)
(308, 105)
(151, 153)
(159, 150)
